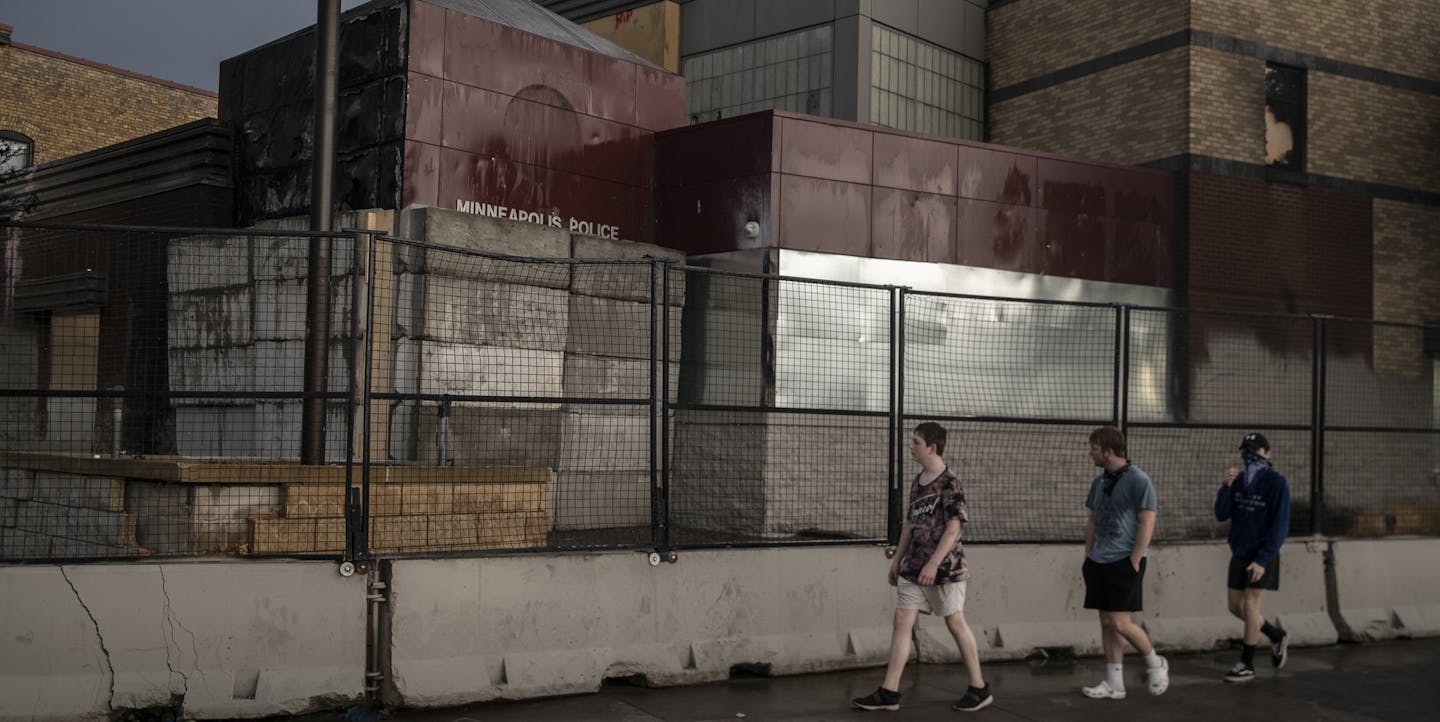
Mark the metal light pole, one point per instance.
(322, 183)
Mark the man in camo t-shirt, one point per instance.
(929, 572)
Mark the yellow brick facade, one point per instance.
(1033, 37)
(1369, 132)
(69, 107)
(1130, 114)
(1395, 35)
(1227, 106)
(1407, 262)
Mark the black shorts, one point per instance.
(1238, 578)
(1113, 587)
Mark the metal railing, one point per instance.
(482, 403)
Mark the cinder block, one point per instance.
(601, 499)
(312, 500)
(605, 327)
(213, 319)
(329, 536)
(456, 532)
(101, 527)
(490, 436)
(280, 536)
(516, 530)
(607, 377)
(227, 370)
(205, 262)
(460, 310)
(399, 533)
(25, 544)
(288, 257)
(485, 235)
(54, 487)
(280, 366)
(408, 304)
(605, 442)
(281, 312)
(16, 483)
(448, 368)
(7, 511)
(105, 494)
(630, 282)
(492, 498)
(276, 433)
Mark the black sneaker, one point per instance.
(976, 698)
(1280, 651)
(1240, 673)
(881, 698)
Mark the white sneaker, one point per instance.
(1102, 691)
(1158, 678)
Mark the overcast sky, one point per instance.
(178, 40)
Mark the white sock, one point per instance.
(1153, 660)
(1115, 676)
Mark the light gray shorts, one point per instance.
(942, 600)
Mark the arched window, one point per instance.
(17, 151)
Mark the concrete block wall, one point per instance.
(47, 514)
(236, 324)
(469, 325)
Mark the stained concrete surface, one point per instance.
(1393, 681)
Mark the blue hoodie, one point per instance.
(1259, 514)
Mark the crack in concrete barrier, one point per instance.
(172, 621)
(109, 701)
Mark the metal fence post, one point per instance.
(1125, 369)
(663, 526)
(1317, 425)
(896, 501)
(654, 436)
(362, 524)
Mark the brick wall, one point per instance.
(1407, 263)
(1402, 36)
(1227, 106)
(1370, 132)
(1130, 114)
(1278, 247)
(1033, 37)
(70, 106)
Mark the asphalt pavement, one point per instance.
(1398, 681)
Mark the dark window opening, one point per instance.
(17, 151)
(1285, 117)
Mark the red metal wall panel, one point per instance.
(503, 122)
(862, 190)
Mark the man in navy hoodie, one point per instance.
(1256, 500)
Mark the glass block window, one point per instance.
(786, 72)
(924, 88)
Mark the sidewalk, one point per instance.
(1395, 681)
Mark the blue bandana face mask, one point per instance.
(1254, 462)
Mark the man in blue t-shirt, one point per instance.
(1117, 536)
(1256, 500)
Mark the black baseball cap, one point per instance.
(1254, 441)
